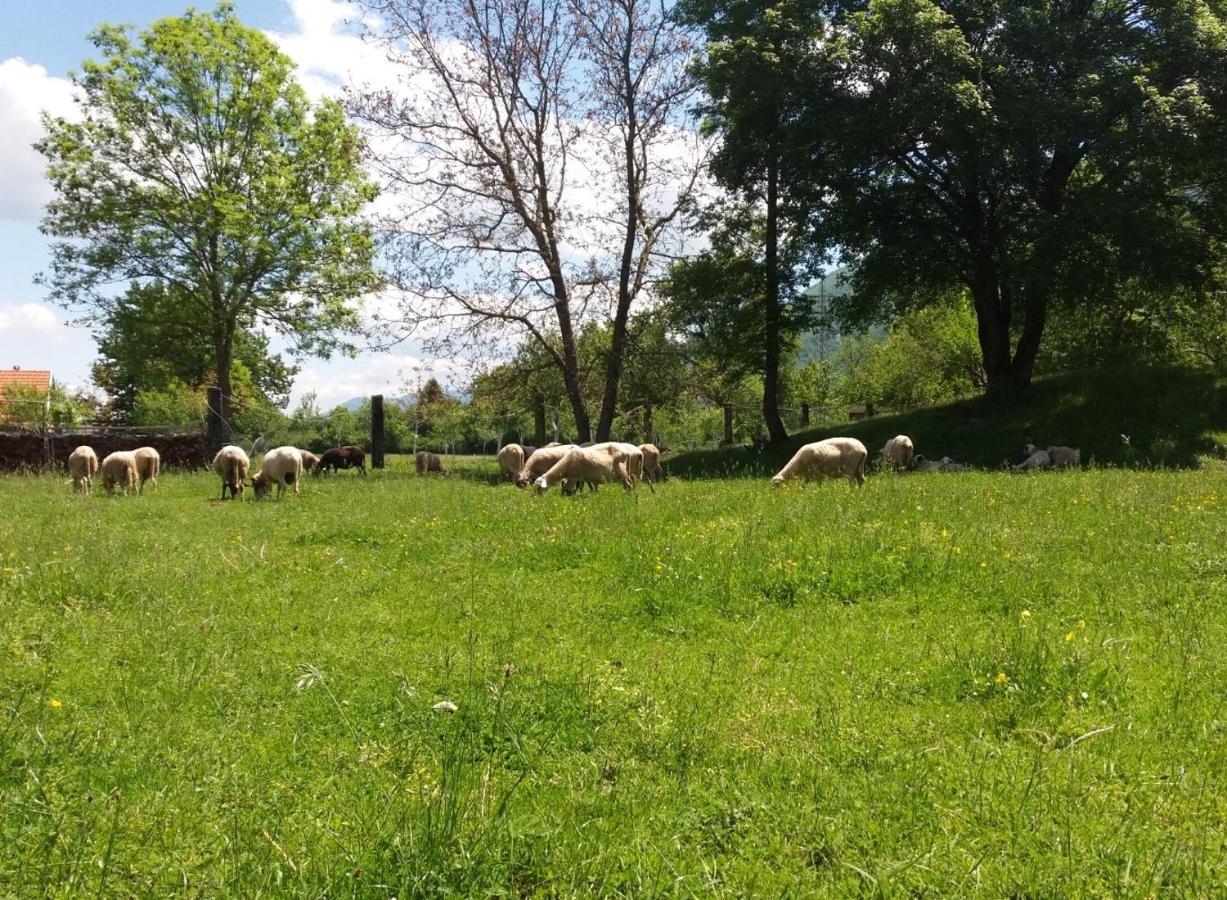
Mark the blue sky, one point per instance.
(37, 51)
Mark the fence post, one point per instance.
(377, 431)
(804, 414)
(539, 420)
(647, 422)
(218, 429)
(728, 423)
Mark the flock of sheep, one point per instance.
(572, 466)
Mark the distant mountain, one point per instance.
(353, 403)
(824, 342)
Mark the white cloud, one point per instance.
(26, 90)
(384, 373)
(31, 320)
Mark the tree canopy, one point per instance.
(199, 165)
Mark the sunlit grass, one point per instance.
(967, 684)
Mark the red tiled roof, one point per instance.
(39, 379)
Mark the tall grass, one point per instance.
(982, 684)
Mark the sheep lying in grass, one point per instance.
(898, 451)
(282, 465)
(540, 461)
(424, 462)
(593, 465)
(1036, 458)
(510, 462)
(833, 458)
(119, 469)
(231, 465)
(652, 469)
(82, 464)
(945, 464)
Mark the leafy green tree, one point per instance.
(150, 339)
(1040, 156)
(755, 69)
(22, 406)
(199, 164)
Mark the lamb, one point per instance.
(652, 469)
(424, 462)
(148, 462)
(231, 465)
(347, 457)
(899, 451)
(539, 462)
(1064, 457)
(602, 462)
(119, 468)
(310, 462)
(832, 458)
(510, 462)
(82, 464)
(282, 465)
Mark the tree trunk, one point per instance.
(570, 356)
(223, 358)
(992, 324)
(617, 343)
(771, 363)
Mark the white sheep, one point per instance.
(82, 464)
(652, 469)
(1036, 458)
(310, 462)
(425, 462)
(592, 465)
(282, 465)
(1064, 457)
(833, 458)
(899, 451)
(231, 465)
(540, 461)
(510, 462)
(119, 469)
(148, 463)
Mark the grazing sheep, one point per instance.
(898, 451)
(652, 469)
(510, 462)
(592, 465)
(539, 462)
(282, 465)
(148, 462)
(832, 458)
(347, 457)
(119, 468)
(1036, 458)
(231, 465)
(425, 462)
(82, 464)
(634, 465)
(310, 462)
(1063, 457)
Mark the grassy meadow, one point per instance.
(945, 685)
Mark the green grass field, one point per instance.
(944, 685)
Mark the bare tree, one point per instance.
(639, 66)
(499, 142)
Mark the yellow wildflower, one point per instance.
(1069, 637)
(1082, 624)
(1001, 679)
(1025, 615)
(54, 703)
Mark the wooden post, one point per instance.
(647, 423)
(377, 431)
(728, 423)
(217, 428)
(539, 420)
(804, 414)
